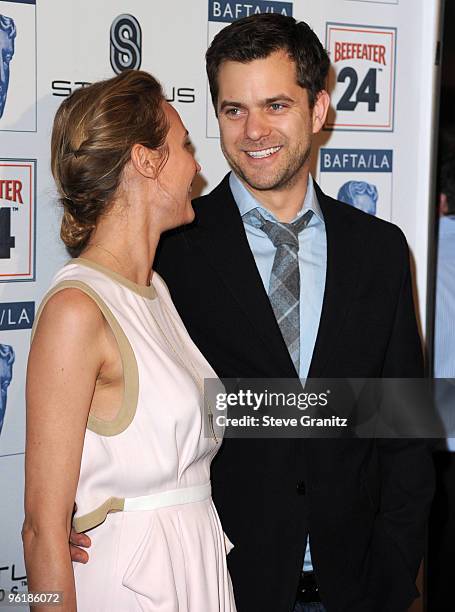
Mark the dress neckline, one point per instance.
(147, 291)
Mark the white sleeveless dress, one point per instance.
(144, 485)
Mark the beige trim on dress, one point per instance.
(147, 291)
(130, 370)
(98, 516)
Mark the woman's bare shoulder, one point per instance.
(70, 311)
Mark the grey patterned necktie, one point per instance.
(284, 287)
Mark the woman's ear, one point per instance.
(146, 161)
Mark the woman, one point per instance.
(114, 383)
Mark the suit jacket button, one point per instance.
(301, 488)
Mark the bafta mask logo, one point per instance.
(7, 40)
(360, 194)
(6, 374)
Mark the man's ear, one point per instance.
(146, 161)
(320, 110)
(443, 205)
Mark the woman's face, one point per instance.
(176, 177)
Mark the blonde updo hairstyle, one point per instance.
(94, 131)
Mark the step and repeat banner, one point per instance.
(374, 153)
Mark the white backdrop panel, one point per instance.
(381, 139)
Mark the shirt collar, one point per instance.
(246, 201)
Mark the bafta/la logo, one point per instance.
(126, 44)
(6, 374)
(7, 41)
(359, 177)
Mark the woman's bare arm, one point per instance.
(64, 362)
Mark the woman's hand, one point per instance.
(76, 540)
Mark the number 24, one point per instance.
(365, 93)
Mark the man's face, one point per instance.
(265, 120)
(6, 55)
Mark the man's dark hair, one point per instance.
(446, 173)
(257, 36)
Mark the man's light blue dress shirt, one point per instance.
(312, 267)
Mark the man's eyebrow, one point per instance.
(225, 103)
(277, 98)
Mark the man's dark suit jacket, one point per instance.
(363, 502)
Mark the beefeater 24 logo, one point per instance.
(17, 219)
(362, 81)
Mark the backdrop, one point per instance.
(375, 153)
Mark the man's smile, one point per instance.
(262, 153)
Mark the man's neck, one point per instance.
(284, 203)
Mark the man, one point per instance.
(344, 310)
(441, 574)
(7, 39)
(444, 360)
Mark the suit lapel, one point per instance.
(220, 234)
(344, 248)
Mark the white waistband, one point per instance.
(168, 498)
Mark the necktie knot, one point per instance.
(279, 233)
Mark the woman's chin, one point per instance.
(186, 218)
(190, 215)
